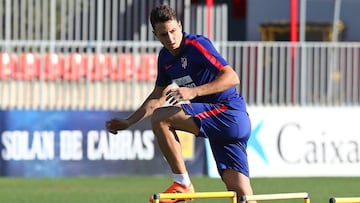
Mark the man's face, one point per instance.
(170, 35)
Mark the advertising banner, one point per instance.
(75, 143)
(303, 141)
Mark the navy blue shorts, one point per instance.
(228, 131)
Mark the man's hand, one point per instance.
(180, 95)
(116, 124)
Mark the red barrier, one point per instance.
(124, 68)
(29, 67)
(74, 66)
(7, 66)
(148, 67)
(101, 67)
(53, 66)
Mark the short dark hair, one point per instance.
(161, 14)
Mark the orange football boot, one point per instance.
(175, 188)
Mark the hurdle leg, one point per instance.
(156, 198)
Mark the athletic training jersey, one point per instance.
(197, 63)
(221, 117)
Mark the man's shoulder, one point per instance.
(195, 37)
(198, 42)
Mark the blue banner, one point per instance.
(36, 143)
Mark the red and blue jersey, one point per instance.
(197, 63)
(221, 117)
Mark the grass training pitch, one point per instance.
(134, 189)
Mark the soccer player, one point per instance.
(216, 110)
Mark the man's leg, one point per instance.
(238, 182)
(164, 123)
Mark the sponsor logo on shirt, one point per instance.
(185, 81)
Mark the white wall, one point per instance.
(304, 141)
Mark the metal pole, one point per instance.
(187, 15)
(337, 9)
(302, 30)
(8, 19)
(302, 39)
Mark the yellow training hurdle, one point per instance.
(232, 195)
(344, 200)
(193, 195)
(280, 196)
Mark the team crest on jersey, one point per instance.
(183, 62)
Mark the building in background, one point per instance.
(317, 11)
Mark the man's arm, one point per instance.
(226, 78)
(153, 101)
